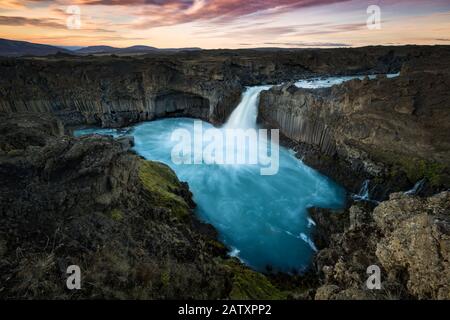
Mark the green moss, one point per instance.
(165, 278)
(217, 245)
(417, 169)
(248, 284)
(162, 185)
(116, 214)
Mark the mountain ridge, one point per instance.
(16, 48)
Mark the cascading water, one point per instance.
(262, 219)
(363, 194)
(418, 186)
(316, 83)
(246, 113)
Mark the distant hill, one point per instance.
(96, 49)
(134, 49)
(13, 48)
(71, 48)
(139, 49)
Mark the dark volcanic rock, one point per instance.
(127, 223)
(417, 240)
(407, 237)
(116, 91)
(394, 131)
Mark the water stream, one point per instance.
(263, 219)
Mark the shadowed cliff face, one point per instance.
(112, 92)
(115, 92)
(371, 127)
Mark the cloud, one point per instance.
(300, 44)
(11, 4)
(22, 21)
(154, 13)
(90, 37)
(333, 28)
(297, 31)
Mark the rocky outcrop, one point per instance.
(407, 237)
(126, 222)
(417, 241)
(391, 130)
(116, 91)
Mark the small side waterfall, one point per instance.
(363, 194)
(417, 188)
(245, 114)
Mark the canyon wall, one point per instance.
(116, 91)
(357, 127)
(375, 128)
(126, 222)
(112, 92)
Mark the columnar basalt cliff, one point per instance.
(113, 92)
(116, 91)
(388, 129)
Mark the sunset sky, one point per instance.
(226, 23)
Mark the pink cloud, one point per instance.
(169, 12)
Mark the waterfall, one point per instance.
(363, 194)
(262, 219)
(417, 188)
(245, 114)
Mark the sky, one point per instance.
(213, 24)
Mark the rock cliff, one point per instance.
(391, 130)
(116, 91)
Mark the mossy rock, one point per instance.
(417, 169)
(217, 246)
(163, 187)
(116, 214)
(165, 278)
(250, 285)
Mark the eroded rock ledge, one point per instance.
(407, 237)
(393, 131)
